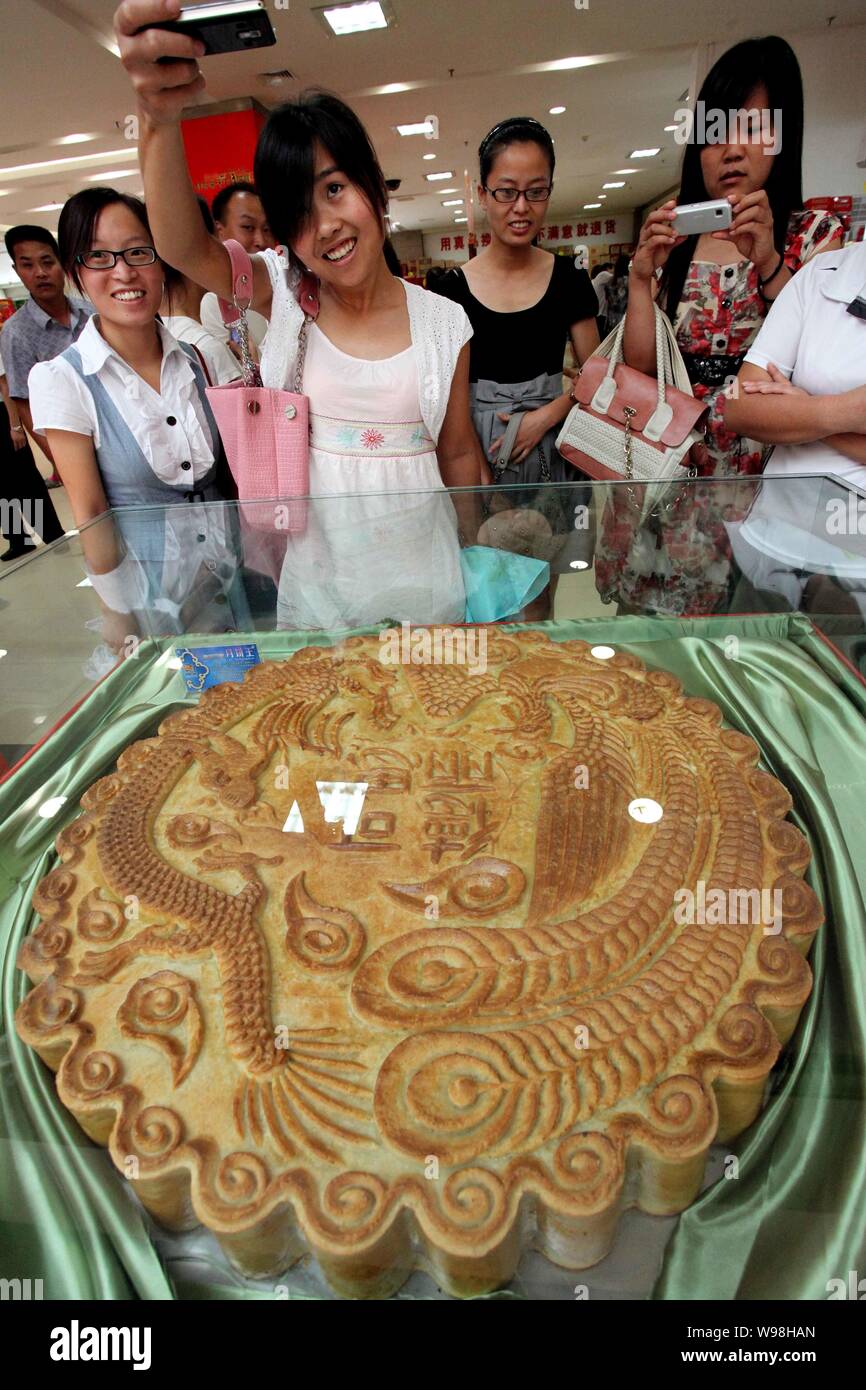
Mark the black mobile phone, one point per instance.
(228, 27)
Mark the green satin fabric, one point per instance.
(794, 1217)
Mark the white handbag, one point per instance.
(629, 426)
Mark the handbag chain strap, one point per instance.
(302, 354)
(250, 369)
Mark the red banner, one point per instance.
(220, 149)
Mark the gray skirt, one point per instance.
(544, 466)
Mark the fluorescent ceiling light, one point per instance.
(626, 171)
(391, 87)
(74, 139)
(643, 154)
(614, 185)
(671, 127)
(79, 160)
(601, 195)
(429, 156)
(112, 174)
(355, 19)
(415, 128)
(567, 64)
(431, 178)
(461, 219)
(453, 203)
(592, 205)
(446, 190)
(47, 207)
(557, 110)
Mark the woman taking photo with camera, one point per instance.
(387, 364)
(716, 288)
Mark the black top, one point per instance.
(521, 346)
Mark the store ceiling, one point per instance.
(473, 63)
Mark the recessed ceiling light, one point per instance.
(428, 156)
(354, 18)
(391, 87)
(643, 154)
(444, 174)
(112, 174)
(415, 128)
(592, 205)
(47, 207)
(446, 190)
(671, 127)
(579, 564)
(614, 185)
(557, 110)
(74, 139)
(453, 203)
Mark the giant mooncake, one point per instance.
(467, 1017)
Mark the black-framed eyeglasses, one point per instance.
(107, 260)
(539, 194)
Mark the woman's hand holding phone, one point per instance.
(657, 241)
(163, 89)
(752, 230)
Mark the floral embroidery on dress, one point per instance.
(372, 439)
(680, 562)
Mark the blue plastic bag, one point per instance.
(499, 583)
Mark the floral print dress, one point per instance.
(678, 560)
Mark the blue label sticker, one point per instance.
(202, 667)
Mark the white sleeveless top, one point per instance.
(381, 534)
(439, 329)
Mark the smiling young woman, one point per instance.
(387, 365)
(125, 414)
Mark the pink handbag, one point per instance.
(265, 432)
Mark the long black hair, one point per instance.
(285, 165)
(770, 62)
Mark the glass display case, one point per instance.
(551, 749)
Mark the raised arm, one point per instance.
(163, 90)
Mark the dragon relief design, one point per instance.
(485, 968)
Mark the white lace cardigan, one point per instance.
(439, 329)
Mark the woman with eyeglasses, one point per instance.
(524, 305)
(125, 413)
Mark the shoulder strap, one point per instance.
(200, 355)
(242, 284)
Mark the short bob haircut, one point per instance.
(513, 131)
(285, 161)
(78, 220)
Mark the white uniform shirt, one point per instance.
(59, 400)
(818, 345)
(223, 367)
(212, 321)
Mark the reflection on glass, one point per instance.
(295, 821)
(644, 809)
(341, 801)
